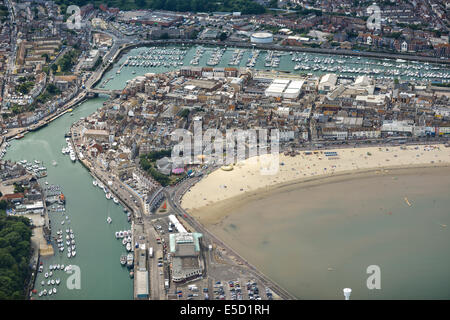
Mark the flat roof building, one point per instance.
(187, 263)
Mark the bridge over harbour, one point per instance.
(104, 91)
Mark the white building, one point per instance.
(293, 89)
(328, 82)
(90, 61)
(261, 37)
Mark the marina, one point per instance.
(140, 61)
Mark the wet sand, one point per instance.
(316, 237)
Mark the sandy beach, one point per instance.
(246, 179)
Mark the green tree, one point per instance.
(223, 36)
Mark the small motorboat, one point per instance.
(109, 220)
(50, 292)
(69, 254)
(52, 282)
(54, 290)
(62, 267)
(74, 253)
(58, 281)
(49, 282)
(50, 273)
(46, 275)
(117, 235)
(42, 283)
(123, 260)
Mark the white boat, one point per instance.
(54, 290)
(128, 246)
(124, 241)
(50, 273)
(68, 254)
(50, 292)
(117, 235)
(94, 183)
(108, 196)
(74, 253)
(46, 275)
(121, 234)
(72, 156)
(62, 267)
(109, 220)
(58, 281)
(116, 201)
(53, 281)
